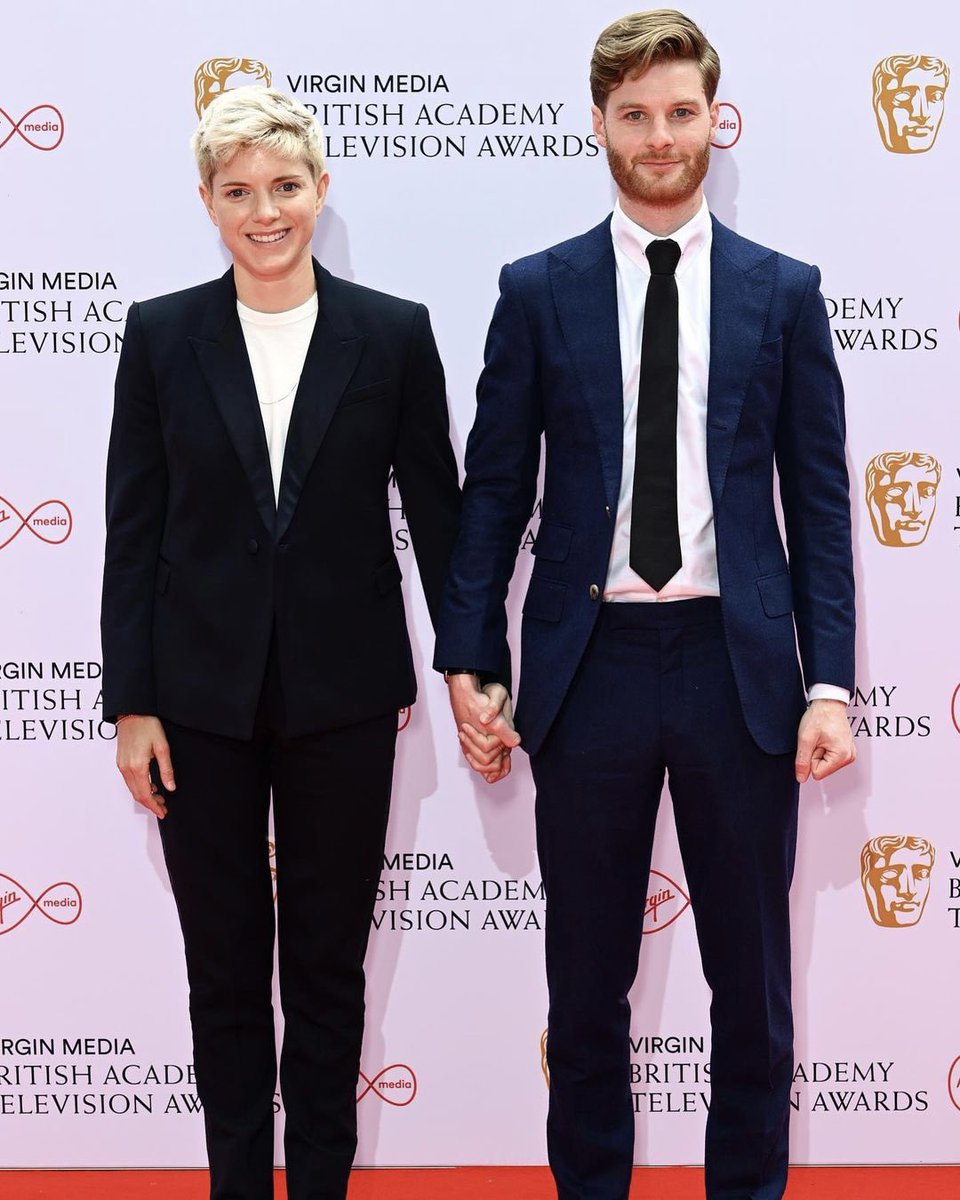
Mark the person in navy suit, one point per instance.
(254, 639)
(664, 613)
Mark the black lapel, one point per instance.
(741, 288)
(583, 276)
(332, 358)
(222, 355)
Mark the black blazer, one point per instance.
(202, 564)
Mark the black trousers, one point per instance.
(331, 795)
(654, 694)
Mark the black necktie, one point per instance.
(654, 531)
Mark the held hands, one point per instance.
(139, 740)
(824, 740)
(484, 718)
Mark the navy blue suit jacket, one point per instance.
(552, 367)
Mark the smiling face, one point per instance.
(266, 209)
(656, 130)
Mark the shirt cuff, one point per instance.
(828, 691)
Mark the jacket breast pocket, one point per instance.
(370, 391)
(770, 352)
(767, 372)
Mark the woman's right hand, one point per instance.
(139, 741)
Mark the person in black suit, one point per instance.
(254, 637)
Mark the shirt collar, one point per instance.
(632, 239)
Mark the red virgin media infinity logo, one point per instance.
(955, 708)
(403, 718)
(60, 902)
(396, 1085)
(51, 522)
(666, 901)
(953, 1082)
(41, 127)
(729, 127)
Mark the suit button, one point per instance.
(283, 547)
(594, 592)
(253, 546)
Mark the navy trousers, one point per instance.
(655, 694)
(331, 794)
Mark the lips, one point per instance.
(268, 239)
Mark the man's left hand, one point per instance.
(824, 740)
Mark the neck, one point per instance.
(275, 295)
(661, 219)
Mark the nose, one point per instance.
(267, 209)
(659, 136)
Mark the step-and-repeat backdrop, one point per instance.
(459, 139)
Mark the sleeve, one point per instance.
(502, 462)
(136, 500)
(424, 462)
(815, 495)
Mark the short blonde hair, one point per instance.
(638, 41)
(256, 117)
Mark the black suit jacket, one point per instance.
(202, 564)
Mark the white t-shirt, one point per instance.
(277, 345)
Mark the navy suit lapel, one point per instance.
(222, 355)
(742, 276)
(584, 280)
(332, 358)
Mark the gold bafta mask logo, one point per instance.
(895, 873)
(908, 97)
(272, 856)
(544, 1065)
(902, 496)
(218, 75)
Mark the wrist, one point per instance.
(462, 678)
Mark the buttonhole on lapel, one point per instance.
(717, 424)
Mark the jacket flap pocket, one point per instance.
(544, 599)
(770, 351)
(388, 576)
(163, 576)
(553, 542)
(776, 594)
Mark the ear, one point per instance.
(322, 184)
(598, 125)
(207, 198)
(714, 115)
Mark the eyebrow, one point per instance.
(673, 104)
(245, 183)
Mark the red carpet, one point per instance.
(487, 1183)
